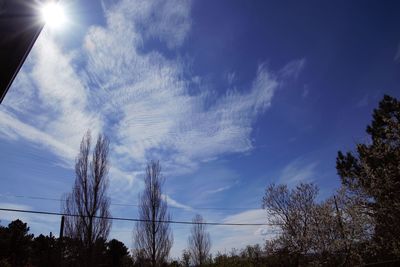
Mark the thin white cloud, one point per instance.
(12, 128)
(298, 171)
(218, 190)
(10, 215)
(173, 203)
(49, 105)
(222, 188)
(240, 236)
(231, 77)
(159, 118)
(293, 68)
(166, 21)
(141, 99)
(38, 223)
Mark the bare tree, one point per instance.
(88, 199)
(340, 227)
(292, 210)
(153, 236)
(332, 231)
(199, 241)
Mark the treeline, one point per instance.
(20, 248)
(358, 225)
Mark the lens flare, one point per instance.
(53, 15)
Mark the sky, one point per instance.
(229, 96)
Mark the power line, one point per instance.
(128, 205)
(136, 220)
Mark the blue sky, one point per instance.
(228, 95)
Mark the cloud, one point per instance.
(221, 189)
(149, 105)
(160, 114)
(225, 238)
(231, 77)
(38, 223)
(298, 171)
(173, 203)
(12, 128)
(218, 190)
(48, 104)
(166, 21)
(11, 215)
(240, 236)
(293, 68)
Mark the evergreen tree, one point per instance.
(372, 173)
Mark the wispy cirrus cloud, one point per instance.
(173, 203)
(141, 99)
(159, 115)
(297, 171)
(240, 236)
(148, 104)
(36, 222)
(293, 68)
(222, 188)
(48, 103)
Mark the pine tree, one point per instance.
(373, 173)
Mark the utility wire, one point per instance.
(126, 204)
(136, 220)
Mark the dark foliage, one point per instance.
(19, 248)
(15, 243)
(118, 253)
(373, 173)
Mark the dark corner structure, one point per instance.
(20, 25)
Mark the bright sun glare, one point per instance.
(53, 15)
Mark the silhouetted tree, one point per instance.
(88, 199)
(3, 244)
(153, 237)
(372, 173)
(117, 253)
(15, 244)
(45, 251)
(199, 241)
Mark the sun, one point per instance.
(53, 15)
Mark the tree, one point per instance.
(185, 261)
(153, 235)
(15, 243)
(117, 253)
(199, 241)
(372, 173)
(252, 254)
(340, 230)
(88, 201)
(292, 211)
(45, 251)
